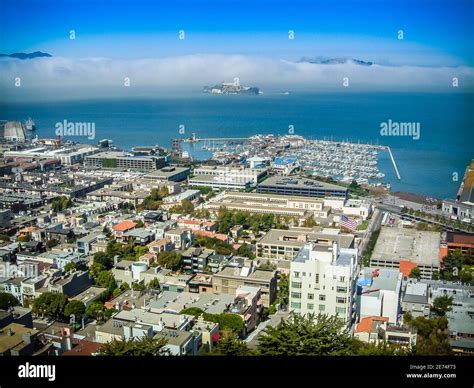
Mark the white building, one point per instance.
(380, 293)
(322, 280)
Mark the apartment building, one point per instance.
(322, 280)
(228, 280)
(279, 244)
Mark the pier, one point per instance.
(393, 162)
(218, 139)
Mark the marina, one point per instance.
(339, 160)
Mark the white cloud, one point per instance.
(101, 77)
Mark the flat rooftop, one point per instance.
(297, 237)
(297, 182)
(416, 246)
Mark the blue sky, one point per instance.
(437, 32)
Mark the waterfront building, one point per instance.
(462, 207)
(218, 177)
(305, 187)
(124, 160)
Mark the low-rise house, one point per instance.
(158, 246)
(90, 295)
(195, 259)
(70, 284)
(377, 329)
(140, 236)
(18, 340)
(181, 343)
(416, 299)
(229, 279)
(119, 229)
(379, 291)
(181, 238)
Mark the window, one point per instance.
(296, 275)
(342, 278)
(341, 310)
(317, 278)
(322, 297)
(341, 300)
(322, 307)
(296, 295)
(311, 296)
(310, 306)
(341, 289)
(295, 305)
(295, 284)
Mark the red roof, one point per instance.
(219, 236)
(124, 225)
(83, 348)
(406, 267)
(365, 324)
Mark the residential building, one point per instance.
(416, 299)
(279, 244)
(379, 291)
(322, 280)
(228, 280)
(182, 238)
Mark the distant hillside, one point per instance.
(36, 54)
(335, 61)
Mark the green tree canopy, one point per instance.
(310, 335)
(442, 305)
(415, 273)
(231, 345)
(75, 307)
(106, 279)
(135, 347)
(50, 304)
(170, 260)
(7, 300)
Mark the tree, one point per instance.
(231, 345)
(432, 335)
(7, 300)
(227, 321)
(76, 308)
(194, 311)
(52, 243)
(169, 260)
(309, 335)
(246, 251)
(103, 259)
(96, 269)
(415, 273)
(50, 305)
(135, 347)
(95, 310)
(106, 279)
(442, 305)
(60, 203)
(310, 222)
(154, 284)
(4, 237)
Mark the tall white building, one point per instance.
(322, 280)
